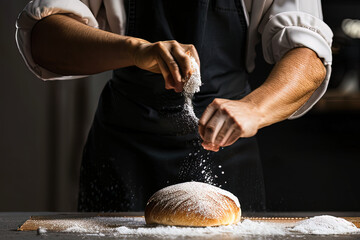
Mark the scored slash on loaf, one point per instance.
(193, 204)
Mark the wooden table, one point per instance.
(10, 223)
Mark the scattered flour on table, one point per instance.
(247, 227)
(41, 231)
(135, 226)
(77, 228)
(325, 225)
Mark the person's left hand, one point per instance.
(225, 121)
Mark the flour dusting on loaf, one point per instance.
(193, 204)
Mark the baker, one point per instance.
(137, 143)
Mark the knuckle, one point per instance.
(217, 101)
(186, 60)
(174, 45)
(210, 129)
(229, 113)
(173, 64)
(159, 45)
(202, 124)
(223, 108)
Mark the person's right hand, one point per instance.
(169, 58)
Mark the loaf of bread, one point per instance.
(193, 204)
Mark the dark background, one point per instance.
(309, 164)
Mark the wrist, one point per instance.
(132, 46)
(258, 110)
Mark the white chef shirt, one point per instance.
(282, 24)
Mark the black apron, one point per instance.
(141, 141)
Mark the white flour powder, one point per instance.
(247, 227)
(325, 225)
(135, 226)
(197, 165)
(191, 87)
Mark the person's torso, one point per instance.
(217, 29)
(137, 143)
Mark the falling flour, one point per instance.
(135, 226)
(198, 165)
(191, 87)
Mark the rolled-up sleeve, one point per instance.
(297, 23)
(38, 9)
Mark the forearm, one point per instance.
(66, 46)
(290, 84)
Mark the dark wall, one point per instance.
(312, 163)
(23, 123)
(43, 126)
